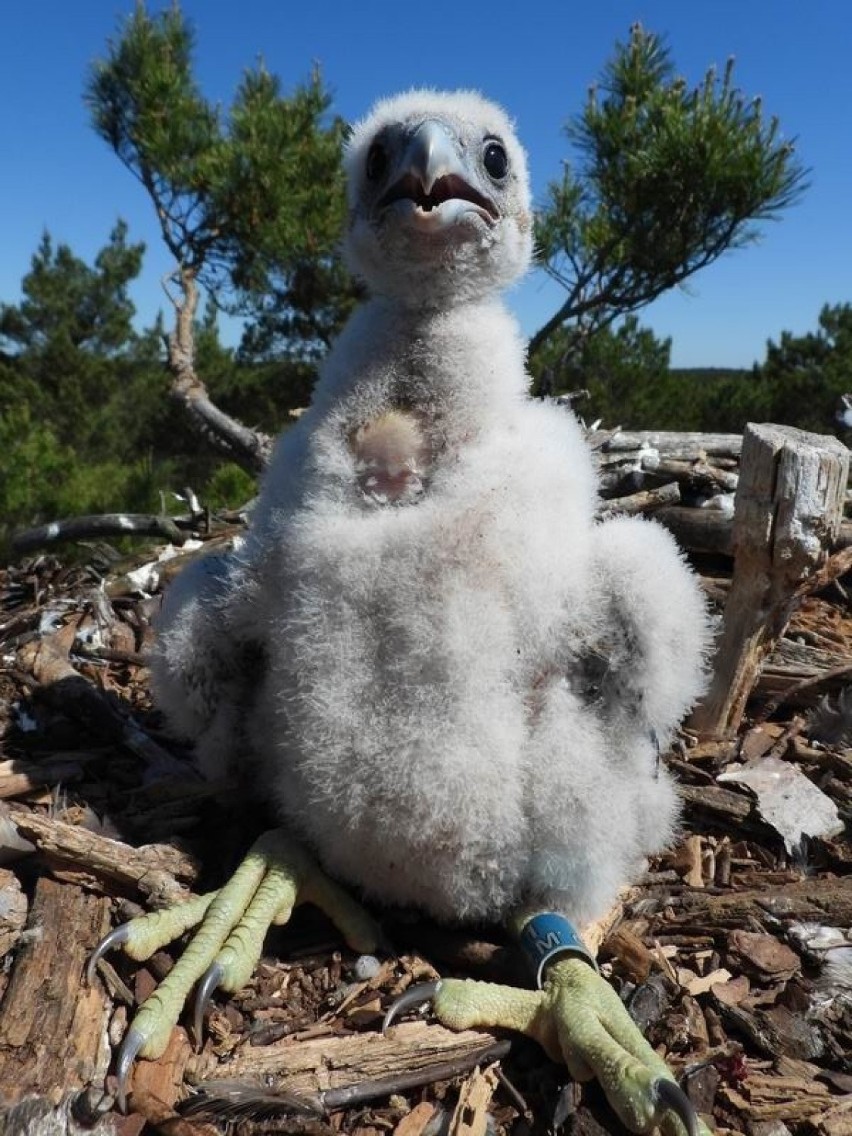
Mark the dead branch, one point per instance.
(675, 445)
(798, 673)
(250, 449)
(646, 501)
(159, 872)
(796, 689)
(48, 661)
(699, 476)
(101, 526)
(338, 1070)
(712, 531)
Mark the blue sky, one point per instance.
(536, 59)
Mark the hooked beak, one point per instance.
(431, 177)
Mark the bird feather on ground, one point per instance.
(450, 680)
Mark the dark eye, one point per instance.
(495, 159)
(377, 162)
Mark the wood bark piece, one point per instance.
(411, 1053)
(835, 1121)
(723, 805)
(159, 871)
(53, 1028)
(767, 1097)
(471, 1115)
(161, 1080)
(415, 1122)
(789, 507)
(13, 910)
(164, 1120)
(823, 900)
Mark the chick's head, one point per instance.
(439, 199)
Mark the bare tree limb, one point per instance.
(250, 449)
(102, 525)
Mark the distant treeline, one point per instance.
(626, 371)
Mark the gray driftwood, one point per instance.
(677, 445)
(789, 507)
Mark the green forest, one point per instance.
(98, 414)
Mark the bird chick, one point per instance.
(449, 679)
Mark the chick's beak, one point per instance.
(430, 174)
(430, 154)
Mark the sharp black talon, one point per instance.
(127, 1054)
(116, 938)
(207, 984)
(672, 1096)
(414, 996)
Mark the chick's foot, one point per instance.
(275, 875)
(579, 1019)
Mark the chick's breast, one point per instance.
(430, 740)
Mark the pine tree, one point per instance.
(803, 379)
(250, 204)
(71, 337)
(669, 179)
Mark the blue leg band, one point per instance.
(547, 937)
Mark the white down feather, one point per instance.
(453, 701)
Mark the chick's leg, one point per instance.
(232, 924)
(579, 1019)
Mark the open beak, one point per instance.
(431, 178)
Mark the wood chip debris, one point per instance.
(729, 951)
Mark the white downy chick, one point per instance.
(448, 679)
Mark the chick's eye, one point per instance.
(495, 159)
(377, 162)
